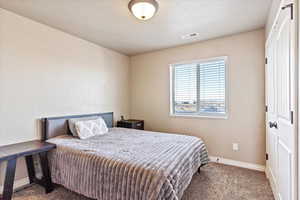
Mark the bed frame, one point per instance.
(56, 126)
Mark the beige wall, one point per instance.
(149, 83)
(45, 72)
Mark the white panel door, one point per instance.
(271, 109)
(280, 86)
(285, 128)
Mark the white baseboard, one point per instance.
(18, 184)
(236, 163)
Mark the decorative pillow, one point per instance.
(72, 122)
(89, 128)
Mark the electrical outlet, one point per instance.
(235, 146)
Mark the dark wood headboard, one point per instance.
(55, 126)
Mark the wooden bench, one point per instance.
(11, 153)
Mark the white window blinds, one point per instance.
(199, 88)
(186, 88)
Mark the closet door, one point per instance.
(271, 110)
(285, 126)
(280, 82)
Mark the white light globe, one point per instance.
(143, 10)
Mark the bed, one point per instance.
(124, 164)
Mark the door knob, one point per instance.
(273, 125)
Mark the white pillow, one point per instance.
(89, 128)
(72, 122)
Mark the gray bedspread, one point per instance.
(127, 164)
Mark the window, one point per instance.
(199, 88)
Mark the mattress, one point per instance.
(127, 164)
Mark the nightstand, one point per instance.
(11, 153)
(131, 123)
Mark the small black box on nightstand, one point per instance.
(131, 123)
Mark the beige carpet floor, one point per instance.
(216, 182)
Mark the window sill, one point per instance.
(200, 116)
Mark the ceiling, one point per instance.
(110, 24)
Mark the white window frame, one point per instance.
(200, 115)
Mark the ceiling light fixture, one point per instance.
(143, 9)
